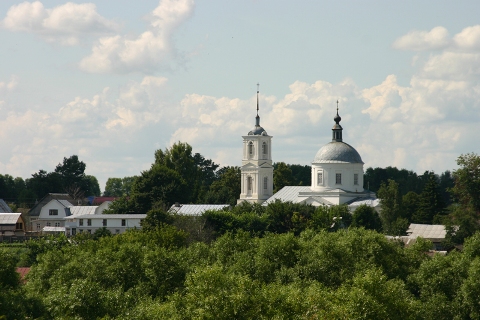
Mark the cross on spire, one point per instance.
(258, 90)
(337, 106)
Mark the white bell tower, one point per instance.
(257, 168)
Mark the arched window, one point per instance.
(250, 149)
(265, 183)
(265, 150)
(249, 184)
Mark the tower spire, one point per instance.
(337, 128)
(258, 90)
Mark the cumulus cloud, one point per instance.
(151, 50)
(66, 24)
(416, 40)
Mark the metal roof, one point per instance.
(289, 193)
(53, 229)
(82, 210)
(4, 208)
(65, 203)
(369, 202)
(196, 209)
(9, 218)
(337, 152)
(427, 231)
(108, 216)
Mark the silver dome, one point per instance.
(337, 152)
(258, 131)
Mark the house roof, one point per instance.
(9, 218)
(435, 232)
(35, 211)
(82, 210)
(65, 203)
(4, 208)
(108, 216)
(195, 209)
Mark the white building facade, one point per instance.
(337, 176)
(115, 223)
(257, 167)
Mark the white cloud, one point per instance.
(469, 38)
(151, 50)
(66, 24)
(437, 38)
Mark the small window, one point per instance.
(38, 226)
(117, 231)
(80, 222)
(265, 183)
(249, 184)
(18, 226)
(57, 224)
(104, 222)
(250, 148)
(320, 178)
(49, 224)
(264, 149)
(338, 178)
(89, 231)
(89, 222)
(53, 212)
(355, 178)
(124, 222)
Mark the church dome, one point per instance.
(337, 152)
(258, 131)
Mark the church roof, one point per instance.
(288, 193)
(337, 152)
(257, 131)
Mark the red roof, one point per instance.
(100, 200)
(23, 271)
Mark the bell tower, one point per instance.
(257, 168)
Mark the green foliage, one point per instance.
(156, 218)
(366, 217)
(225, 190)
(430, 203)
(282, 176)
(391, 209)
(157, 187)
(467, 181)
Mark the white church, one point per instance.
(337, 172)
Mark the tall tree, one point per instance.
(430, 202)
(390, 204)
(282, 176)
(467, 181)
(225, 190)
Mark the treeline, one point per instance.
(67, 177)
(157, 273)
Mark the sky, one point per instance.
(113, 81)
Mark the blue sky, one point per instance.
(112, 81)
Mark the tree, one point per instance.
(430, 202)
(366, 217)
(467, 181)
(390, 204)
(113, 188)
(282, 176)
(117, 187)
(72, 171)
(158, 187)
(197, 172)
(410, 204)
(225, 190)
